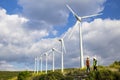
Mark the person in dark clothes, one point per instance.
(94, 64)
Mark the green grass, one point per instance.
(71, 72)
(7, 75)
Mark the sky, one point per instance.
(29, 28)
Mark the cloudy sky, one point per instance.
(28, 28)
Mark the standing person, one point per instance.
(88, 64)
(94, 64)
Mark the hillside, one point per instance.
(7, 75)
(111, 72)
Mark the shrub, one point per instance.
(24, 75)
(116, 75)
(116, 65)
(68, 78)
(101, 75)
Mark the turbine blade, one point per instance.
(70, 9)
(91, 16)
(47, 52)
(72, 30)
(75, 15)
(64, 35)
(64, 47)
(57, 50)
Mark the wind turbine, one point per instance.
(79, 20)
(53, 54)
(46, 55)
(35, 65)
(63, 50)
(41, 63)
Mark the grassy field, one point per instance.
(8, 75)
(113, 69)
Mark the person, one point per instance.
(94, 64)
(88, 64)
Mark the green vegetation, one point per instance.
(7, 75)
(53, 76)
(104, 75)
(25, 75)
(116, 65)
(111, 72)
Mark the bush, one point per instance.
(24, 75)
(116, 65)
(101, 75)
(117, 76)
(104, 75)
(68, 78)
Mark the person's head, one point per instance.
(94, 58)
(88, 57)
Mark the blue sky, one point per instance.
(12, 6)
(29, 28)
(111, 9)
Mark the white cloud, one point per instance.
(4, 66)
(15, 40)
(52, 13)
(54, 32)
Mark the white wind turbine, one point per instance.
(36, 65)
(41, 63)
(79, 20)
(63, 50)
(46, 55)
(53, 54)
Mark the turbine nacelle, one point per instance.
(46, 54)
(78, 18)
(53, 49)
(60, 40)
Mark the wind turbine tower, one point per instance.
(36, 65)
(63, 50)
(79, 20)
(53, 54)
(46, 61)
(46, 55)
(35, 69)
(41, 63)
